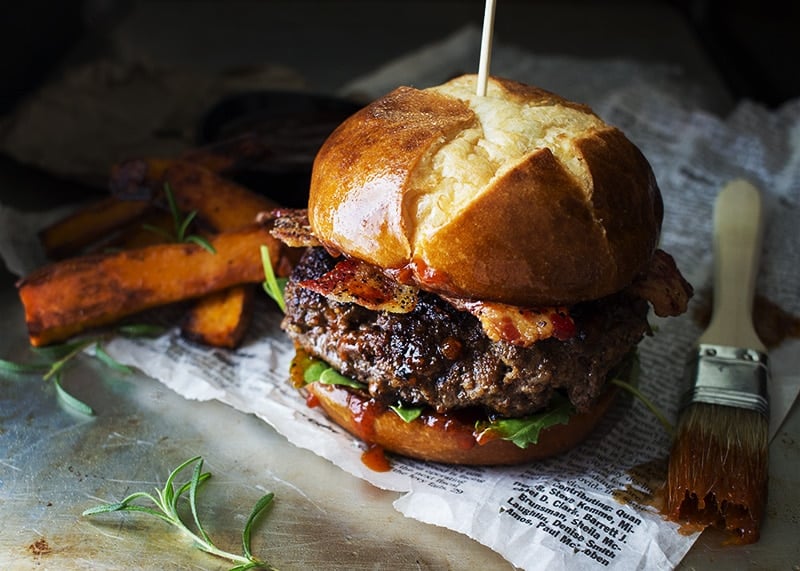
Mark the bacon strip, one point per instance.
(521, 326)
(290, 226)
(354, 281)
(664, 286)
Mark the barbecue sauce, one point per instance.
(375, 459)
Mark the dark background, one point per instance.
(753, 43)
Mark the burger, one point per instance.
(478, 269)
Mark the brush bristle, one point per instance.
(718, 469)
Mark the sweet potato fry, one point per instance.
(220, 319)
(138, 179)
(70, 235)
(137, 234)
(68, 297)
(142, 178)
(220, 203)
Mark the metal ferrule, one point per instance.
(729, 376)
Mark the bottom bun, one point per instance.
(447, 438)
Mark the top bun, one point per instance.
(518, 196)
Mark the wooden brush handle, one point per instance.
(737, 248)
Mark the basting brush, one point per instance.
(717, 471)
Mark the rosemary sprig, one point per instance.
(181, 223)
(54, 359)
(166, 508)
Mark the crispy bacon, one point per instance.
(354, 281)
(663, 286)
(291, 227)
(521, 326)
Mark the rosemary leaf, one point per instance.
(159, 231)
(261, 505)
(141, 330)
(196, 475)
(74, 349)
(202, 242)
(61, 350)
(109, 361)
(21, 368)
(183, 227)
(69, 400)
(165, 504)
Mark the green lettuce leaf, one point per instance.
(322, 372)
(525, 431)
(406, 412)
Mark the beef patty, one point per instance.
(439, 356)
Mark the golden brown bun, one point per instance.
(519, 196)
(442, 438)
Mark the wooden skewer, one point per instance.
(486, 47)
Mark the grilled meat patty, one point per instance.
(439, 356)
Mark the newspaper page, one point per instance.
(592, 508)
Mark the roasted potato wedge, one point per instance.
(71, 234)
(71, 296)
(138, 179)
(220, 319)
(142, 178)
(137, 234)
(220, 203)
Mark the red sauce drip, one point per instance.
(563, 326)
(363, 411)
(485, 437)
(375, 459)
(427, 275)
(311, 400)
(404, 275)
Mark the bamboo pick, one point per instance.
(486, 47)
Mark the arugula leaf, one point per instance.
(626, 377)
(318, 371)
(525, 431)
(314, 371)
(331, 376)
(273, 285)
(407, 413)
